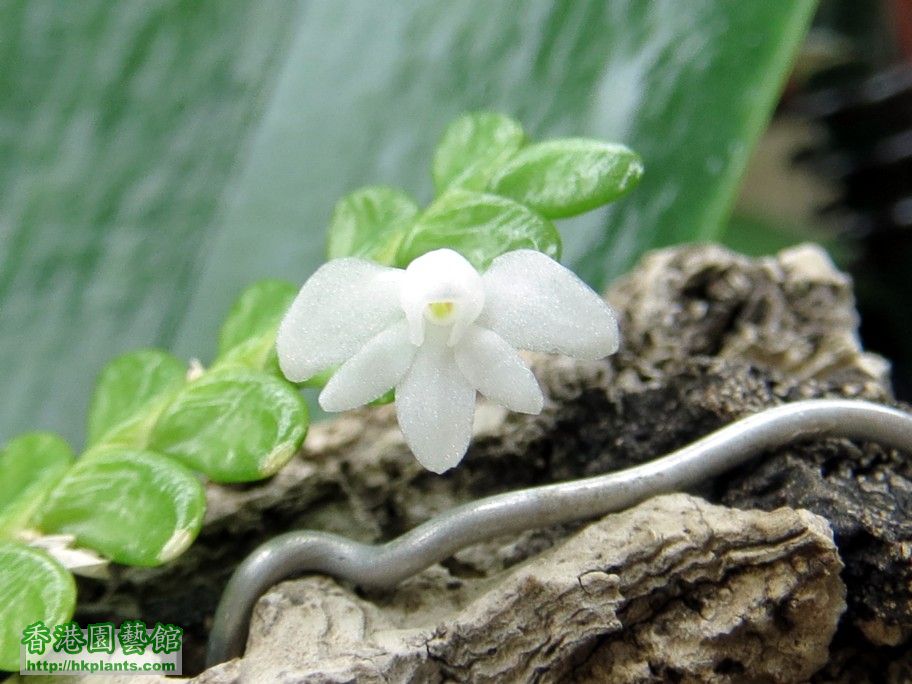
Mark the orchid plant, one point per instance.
(432, 304)
(435, 304)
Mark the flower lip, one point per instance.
(441, 312)
(442, 288)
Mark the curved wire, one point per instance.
(384, 566)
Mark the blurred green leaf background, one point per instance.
(158, 156)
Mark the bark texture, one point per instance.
(708, 336)
(675, 589)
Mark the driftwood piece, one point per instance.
(708, 336)
(674, 589)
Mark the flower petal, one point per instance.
(341, 306)
(377, 367)
(535, 303)
(442, 276)
(494, 368)
(435, 405)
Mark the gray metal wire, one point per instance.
(383, 566)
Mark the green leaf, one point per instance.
(129, 383)
(480, 227)
(370, 223)
(473, 147)
(233, 425)
(33, 587)
(134, 432)
(256, 312)
(247, 338)
(30, 466)
(257, 353)
(135, 507)
(157, 157)
(561, 178)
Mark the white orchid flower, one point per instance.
(438, 331)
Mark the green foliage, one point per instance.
(127, 384)
(33, 587)
(494, 196)
(30, 466)
(233, 425)
(473, 147)
(480, 227)
(147, 420)
(238, 421)
(132, 391)
(256, 311)
(247, 337)
(134, 507)
(370, 223)
(562, 178)
(257, 353)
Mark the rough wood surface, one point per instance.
(708, 336)
(675, 589)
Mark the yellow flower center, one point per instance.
(440, 312)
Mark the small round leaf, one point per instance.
(472, 148)
(561, 178)
(30, 466)
(370, 223)
(257, 311)
(256, 353)
(135, 507)
(127, 384)
(480, 227)
(233, 425)
(33, 587)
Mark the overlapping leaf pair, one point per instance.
(495, 192)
